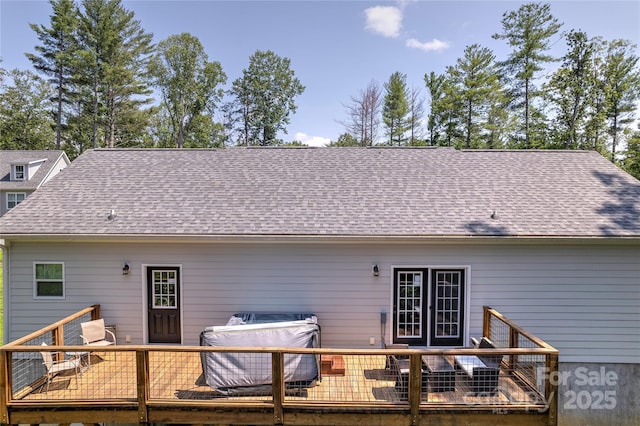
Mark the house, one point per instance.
(22, 172)
(402, 245)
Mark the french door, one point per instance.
(428, 306)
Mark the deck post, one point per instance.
(551, 389)
(415, 386)
(513, 343)
(142, 373)
(486, 322)
(5, 387)
(277, 379)
(57, 339)
(95, 313)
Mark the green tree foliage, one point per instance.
(596, 125)
(190, 89)
(476, 85)
(452, 107)
(345, 140)
(499, 123)
(264, 97)
(111, 69)
(621, 88)
(416, 115)
(631, 161)
(395, 110)
(55, 57)
(572, 91)
(436, 117)
(528, 31)
(24, 112)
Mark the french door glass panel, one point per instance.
(447, 287)
(409, 307)
(447, 307)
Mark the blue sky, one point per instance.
(336, 47)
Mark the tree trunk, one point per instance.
(59, 114)
(526, 113)
(95, 115)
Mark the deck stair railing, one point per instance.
(166, 383)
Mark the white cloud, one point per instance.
(428, 46)
(311, 140)
(385, 20)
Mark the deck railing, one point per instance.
(132, 384)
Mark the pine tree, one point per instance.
(476, 82)
(55, 57)
(621, 88)
(112, 61)
(528, 31)
(572, 91)
(395, 112)
(435, 120)
(416, 115)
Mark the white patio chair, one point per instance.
(94, 333)
(54, 367)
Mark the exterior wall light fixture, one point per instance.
(375, 270)
(125, 269)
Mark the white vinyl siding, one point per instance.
(583, 299)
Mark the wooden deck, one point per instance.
(164, 384)
(175, 384)
(178, 376)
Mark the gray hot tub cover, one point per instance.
(236, 372)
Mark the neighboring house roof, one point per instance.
(349, 192)
(46, 169)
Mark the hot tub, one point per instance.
(235, 373)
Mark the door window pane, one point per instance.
(409, 303)
(447, 288)
(164, 289)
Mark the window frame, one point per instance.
(14, 171)
(36, 281)
(24, 196)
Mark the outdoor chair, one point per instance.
(392, 359)
(483, 370)
(94, 333)
(57, 366)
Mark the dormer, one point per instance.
(25, 171)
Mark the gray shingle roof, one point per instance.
(7, 158)
(371, 192)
